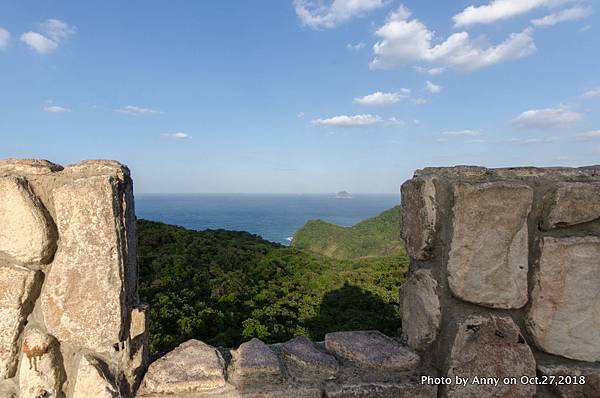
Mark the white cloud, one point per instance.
(136, 110)
(55, 109)
(475, 141)
(585, 28)
(300, 115)
(405, 40)
(55, 31)
(39, 42)
(441, 140)
(349, 120)
(592, 93)
(177, 136)
(356, 46)
(569, 14)
(532, 141)
(590, 135)
(559, 117)
(499, 9)
(420, 101)
(463, 133)
(4, 38)
(315, 14)
(433, 88)
(379, 99)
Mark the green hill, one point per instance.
(225, 287)
(375, 237)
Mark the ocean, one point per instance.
(274, 217)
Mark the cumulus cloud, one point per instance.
(560, 117)
(589, 136)
(54, 31)
(433, 88)
(316, 15)
(349, 120)
(356, 46)
(463, 133)
(380, 99)
(569, 14)
(177, 136)
(55, 109)
(136, 110)
(592, 93)
(498, 10)
(4, 38)
(405, 40)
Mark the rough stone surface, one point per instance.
(26, 236)
(418, 216)
(304, 360)
(27, 167)
(16, 289)
(565, 388)
(488, 257)
(421, 313)
(136, 358)
(84, 296)
(192, 367)
(371, 349)
(564, 315)
(40, 370)
(490, 346)
(574, 203)
(255, 364)
(382, 390)
(94, 380)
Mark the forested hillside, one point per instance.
(224, 287)
(374, 237)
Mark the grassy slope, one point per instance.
(375, 237)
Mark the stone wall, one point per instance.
(70, 321)
(504, 283)
(504, 278)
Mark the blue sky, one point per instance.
(299, 96)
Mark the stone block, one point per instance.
(486, 347)
(563, 317)
(41, 373)
(382, 390)
(27, 236)
(84, 300)
(488, 258)
(371, 349)
(587, 380)
(192, 368)
(418, 216)
(255, 365)
(94, 380)
(305, 361)
(17, 288)
(421, 313)
(573, 203)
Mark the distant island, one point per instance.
(343, 195)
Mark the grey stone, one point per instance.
(488, 258)
(418, 216)
(26, 236)
(421, 313)
(371, 349)
(85, 295)
(255, 365)
(17, 288)
(382, 390)
(304, 360)
(27, 167)
(572, 381)
(94, 380)
(192, 367)
(574, 203)
(40, 370)
(563, 317)
(489, 346)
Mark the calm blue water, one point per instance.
(274, 217)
